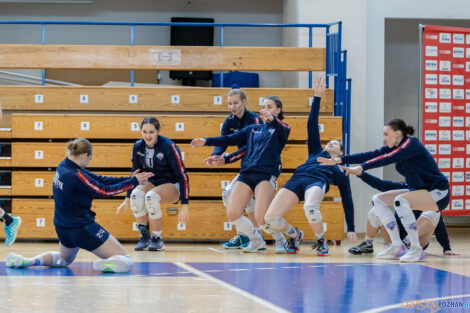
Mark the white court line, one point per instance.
(394, 306)
(215, 250)
(241, 292)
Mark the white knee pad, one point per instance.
(313, 214)
(250, 208)
(373, 219)
(275, 222)
(385, 213)
(57, 260)
(434, 217)
(152, 204)
(138, 202)
(226, 194)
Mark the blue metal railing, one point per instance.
(335, 57)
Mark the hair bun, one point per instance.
(235, 86)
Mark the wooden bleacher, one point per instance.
(43, 118)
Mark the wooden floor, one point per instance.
(207, 278)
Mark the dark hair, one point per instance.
(79, 146)
(278, 103)
(399, 124)
(151, 120)
(236, 91)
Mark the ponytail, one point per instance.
(399, 124)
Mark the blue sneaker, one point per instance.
(293, 244)
(322, 247)
(12, 230)
(237, 242)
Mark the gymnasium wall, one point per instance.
(240, 11)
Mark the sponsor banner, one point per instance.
(431, 65)
(430, 107)
(458, 121)
(458, 177)
(444, 121)
(445, 107)
(445, 149)
(458, 190)
(457, 204)
(431, 148)
(458, 162)
(444, 66)
(444, 163)
(444, 135)
(458, 135)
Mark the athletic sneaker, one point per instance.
(293, 244)
(156, 244)
(322, 247)
(361, 248)
(111, 265)
(392, 252)
(414, 254)
(144, 239)
(255, 245)
(15, 260)
(12, 230)
(280, 246)
(237, 242)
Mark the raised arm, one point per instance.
(314, 142)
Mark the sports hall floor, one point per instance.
(206, 278)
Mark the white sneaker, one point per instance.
(255, 245)
(392, 252)
(112, 265)
(15, 260)
(280, 246)
(414, 254)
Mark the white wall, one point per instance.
(223, 11)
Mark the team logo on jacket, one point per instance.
(160, 156)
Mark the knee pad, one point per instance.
(313, 214)
(373, 219)
(138, 203)
(250, 207)
(226, 194)
(434, 217)
(275, 222)
(57, 260)
(152, 204)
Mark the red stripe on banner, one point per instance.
(238, 155)
(283, 124)
(387, 155)
(183, 173)
(99, 190)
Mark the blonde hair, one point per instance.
(79, 146)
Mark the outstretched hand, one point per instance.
(198, 142)
(352, 236)
(215, 160)
(450, 252)
(142, 177)
(355, 170)
(319, 87)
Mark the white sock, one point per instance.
(157, 233)
(408, 219)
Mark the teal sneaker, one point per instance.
(15, 260)
(12, 230)
(237, 242)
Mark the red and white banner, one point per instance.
(446, 108)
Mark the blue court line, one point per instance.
(155, 269)
(338, 287)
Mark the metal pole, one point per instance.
(221, 44)
(328, 70)
(310, 45)
(43, 41)
(132, 43)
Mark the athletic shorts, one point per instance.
(252, 179)
(299, 184)
(442, 198)
(158, 181)
(88, 237)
